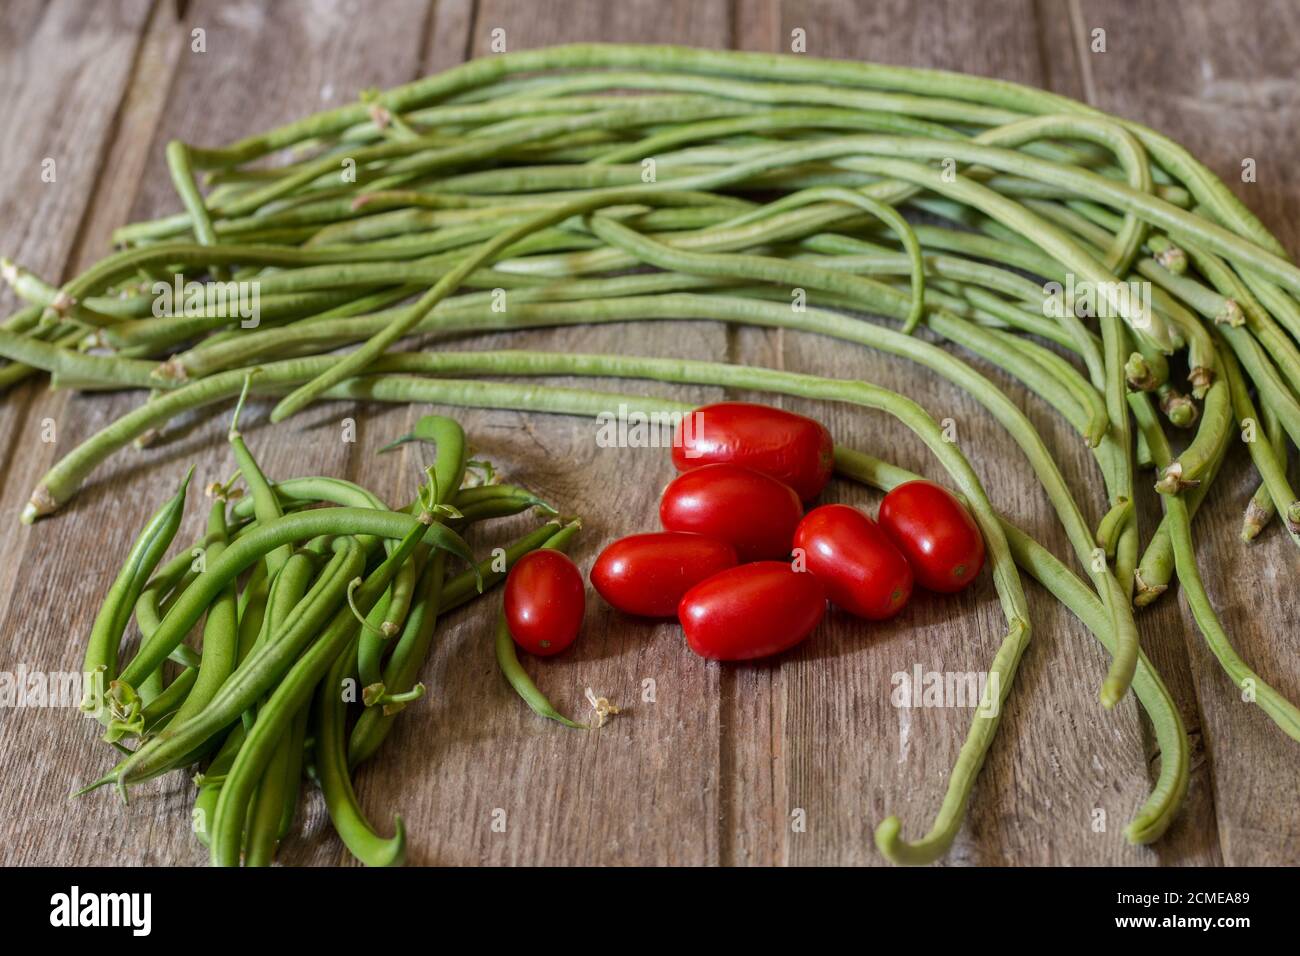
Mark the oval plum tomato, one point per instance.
(753, 512)
(862, 570)
(789, 447)
(647, 574)
(752, 610)
(936, 534)
(544, 602)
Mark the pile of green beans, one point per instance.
(289, 581)
(931, 216)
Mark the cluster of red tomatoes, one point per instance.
(739, 563)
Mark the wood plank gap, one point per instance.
(1080, 31)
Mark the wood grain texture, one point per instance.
(792, 761)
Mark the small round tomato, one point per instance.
(753, 512)
(647, 574)
(862, 570)
(791, 448)
(752, 610)
(544, 602)
(936, 534)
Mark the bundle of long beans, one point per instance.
(591, 184)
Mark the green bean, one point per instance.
(502, 506)
(205, 359)
(156, 712)
(167, 582)
(1195, 459)
(287, 590)
(412, 158)
(1281, 349)
(253, 547)
(54, 304)
(266, 815)
(251, 678)
(1144, 375)
(315, 489)
(100, 664)
(447, 473)
(929, 84)
(294, 771)
(1113, 524)
(294, 691)
(166, 331)
(336, 784)
(1177, 407)
(252, 607)
(220, 647)
(266, 507)
(1156, 569)
(370, 667)
(1272, 389)
(205, 803)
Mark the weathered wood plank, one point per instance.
(55, 110)
(471, 748)
(58, 124)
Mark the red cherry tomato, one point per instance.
(647, 574)
(862, 570)
(753, 512)
(544, 602)
(789, 447)
(751, 611)
(936, 534)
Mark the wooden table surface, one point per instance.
(789, 761)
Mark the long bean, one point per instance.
(1254, 689)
